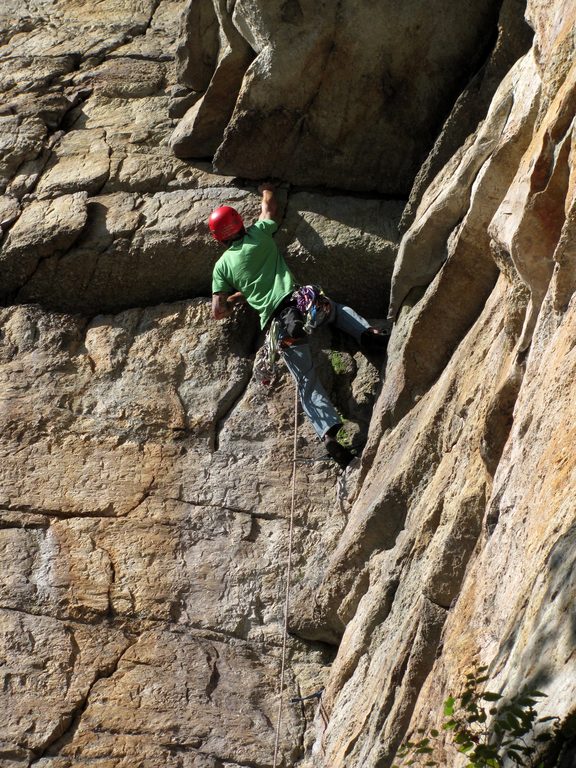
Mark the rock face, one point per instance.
(146, 475)
(273, 101)
(116, 517)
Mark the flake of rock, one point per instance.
(45, 228)
(57, 663)
(21, 140)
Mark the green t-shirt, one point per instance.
(255, 266)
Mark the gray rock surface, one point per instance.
(291, 114)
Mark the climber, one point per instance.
(253, 270)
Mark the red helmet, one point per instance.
(224, 223)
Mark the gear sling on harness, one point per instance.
(297, 316)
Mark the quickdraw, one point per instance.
(265, 365)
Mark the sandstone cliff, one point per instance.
(426, 158)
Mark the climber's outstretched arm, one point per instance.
(269, 202)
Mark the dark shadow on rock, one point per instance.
(552, 626)
(513, 41)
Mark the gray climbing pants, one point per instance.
(315, 401)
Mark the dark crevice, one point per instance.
(501, 50)
(499, 420)
(477, 63)
(142, 57)
(24, 509)
(214, 674)
(23, 524)
(132, 625)
(226, 408)
(251, 513)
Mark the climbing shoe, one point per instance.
(341, 455)
(373, 340)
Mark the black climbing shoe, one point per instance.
(373, 340)
(337, 451)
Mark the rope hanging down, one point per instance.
(288, 579)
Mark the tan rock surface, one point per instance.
(115, 513)
(145, 477)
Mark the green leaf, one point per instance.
(516, 759)
(449, 706)
(466, 699)
(449, 725)
(486, 752)
(512, 721)
(434, 733)
(490, 696)
(518, 711)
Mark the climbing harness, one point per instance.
(288, 580)
(308, 308)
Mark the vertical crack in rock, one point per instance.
(499, 419)
(212, 684)
(111, 613)
(179, 377)
(155, 6)
(226, 408)
(70, 672)
(69, 724)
